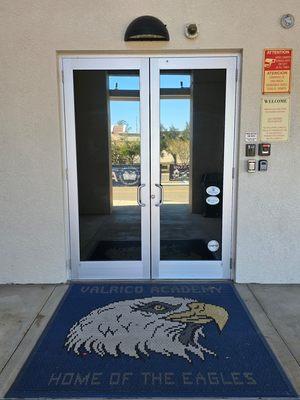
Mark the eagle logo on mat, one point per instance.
(164, 325)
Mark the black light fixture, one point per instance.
(146, 28)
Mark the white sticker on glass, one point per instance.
(213, 245)
(212, 200)
(213, 190)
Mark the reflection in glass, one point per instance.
(107, 116)
(192, 115)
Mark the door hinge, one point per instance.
(233, 172)
(68, 264)
(67, 173)
(236, 75)
(62, 76)
(231, 263)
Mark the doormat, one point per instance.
(151, 340)
(193, 249)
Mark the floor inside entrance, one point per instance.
(124, 224)
(26, 309)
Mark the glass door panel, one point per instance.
(111, 204)
(192, 117)
(107, 120)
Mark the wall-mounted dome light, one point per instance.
(146, 28)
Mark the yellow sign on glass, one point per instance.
(275, 119)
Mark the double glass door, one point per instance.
(150, 156)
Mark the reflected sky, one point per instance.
(130, 82)
(127, 111)
(173, 111)
(174, 81)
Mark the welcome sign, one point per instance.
(275, 118)
(151, 340)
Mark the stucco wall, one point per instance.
(32, 33)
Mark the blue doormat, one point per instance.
(151, 340)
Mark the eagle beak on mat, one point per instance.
(201, 313)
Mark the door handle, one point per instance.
(161, 194)
(139, 194)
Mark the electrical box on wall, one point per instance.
(263, 165)
(251, 166)
(264, 149)
(250, 150)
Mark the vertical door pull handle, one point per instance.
(161, 194)
(139, 195)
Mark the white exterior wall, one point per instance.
(33, 33)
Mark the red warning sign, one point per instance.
(277, 71)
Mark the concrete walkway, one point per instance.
(26, 309)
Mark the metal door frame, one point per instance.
(103, 269)
(193, 269)
(126, 270)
